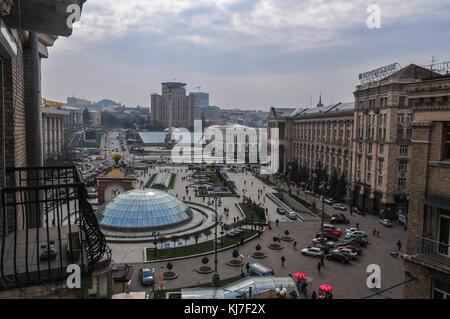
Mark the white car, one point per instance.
(346, 251)
(386, 222)
(312, 251)
(339, 206)
(292, 215)
(350, 230)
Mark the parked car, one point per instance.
(357, 211)
(312, 251)
(324, 243)
(362, 240)
(146, 276)
(353, 248)
(386, 222)
(347, 252)
(339, 257)
(327, 236)
(292, 215)
(360, 233)
(331, 231)
(351, 230)
(339, 219)
(333, 227)
(281, 210)
(339, 206)
(92, 192)
(351, 241)
(328, 201)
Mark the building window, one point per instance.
(370, 148)
(384, 133)
(401, 119)
(441, 290)
(359, 175)
(410, 117)
(400, 133)
(360, 147)
(381, 148)
(372, 103)
(403, 166)
(385, 118)
(381, 164)
(369, 163)
(369, 177)
(409, 133)
(401, 182)
(403, 149)
(361, 104)
(383, 101)
(380, 180)
(401, 101)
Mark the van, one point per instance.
(260, 270)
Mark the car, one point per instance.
(324, 243)
(331, 231)
(312, 251)
(354, 242)
(347, 252)
(362, 240)
(146, 276)
(339, 206)
(351, 230)
(339, 219)
(333, 227)
(327, 236)
(92, 192)
(386, 222)
(339, 257)
(353, 248)
(292, 215)
(360, 233)
(357, 211)
(328, 201)
(281, 210)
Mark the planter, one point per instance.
(287, 238)
(204, 270)
(169, 275)
(275, 246)
(235, 263)
(258, 255)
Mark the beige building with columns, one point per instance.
(53, 131)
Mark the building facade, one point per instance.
(427, 255)
(202, 98)
(183, 106)
(53, 131)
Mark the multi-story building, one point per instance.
(427, 255)
(183, 106)
(53, 131)
(382, 134)
(313, 137)
(202, 98)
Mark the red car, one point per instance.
(331, 231)
(352, 248)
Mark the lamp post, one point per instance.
(215, 276)
(155, 242)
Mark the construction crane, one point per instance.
(197, 87)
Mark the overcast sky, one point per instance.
(248, 54)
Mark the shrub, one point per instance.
(258, 247)
(205, 260)
(169, 266)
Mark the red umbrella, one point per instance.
(300, 275)
(326, 288)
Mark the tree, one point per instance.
(207, 233)
(205, 260)
(169, 266)
(286, 232)
(334, 184)
(258, 247)
(342, 187)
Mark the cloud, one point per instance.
(293, 24)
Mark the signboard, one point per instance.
(51, 103)
(378, 74)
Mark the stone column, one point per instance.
(44, 136)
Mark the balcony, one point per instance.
(433, 250)
(46, 224)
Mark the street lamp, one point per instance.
(155, 242)
(215, 276)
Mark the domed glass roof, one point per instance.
(144, 209)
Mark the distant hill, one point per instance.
(107, 102)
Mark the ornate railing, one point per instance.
(46, 224)
(434, 250)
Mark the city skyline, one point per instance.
(247, 54)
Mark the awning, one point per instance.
(437, 202)
(43, 16)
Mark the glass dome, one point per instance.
(143, 209)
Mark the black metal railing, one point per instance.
(46, 224)
(436, 251)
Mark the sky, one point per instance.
(247, 54)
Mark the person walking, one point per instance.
(319, 266)
(277, 222)
(313, 295)
(321, 261)
(357, 225)
(378, 233)
(283, 259)
(374, 232)
(295, 244)
(399, 245)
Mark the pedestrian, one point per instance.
(313, 295)
(282, 261)
(357, 225)
(399, 245)
(270, 226)
(318, 266)
(322, 264)
(378, 233)
(277, 222)
(374, 232)
(247, 266)
(295, 244)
